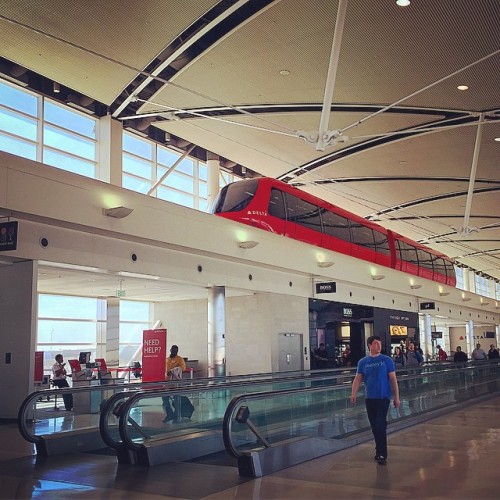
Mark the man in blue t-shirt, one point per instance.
(378, 373)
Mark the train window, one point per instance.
(440, 265)
(277, 204)
(362, 235)
(382, 243)
(236, 196)
(408, 253)
(424, 259)
(302, 212)
(450, 270)
(336, 226)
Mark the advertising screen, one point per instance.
(398, 331)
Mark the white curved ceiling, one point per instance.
(242, 78)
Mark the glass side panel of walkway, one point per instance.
(43, 421)
(275, 430)
(318, 412)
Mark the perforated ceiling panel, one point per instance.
(96, 48)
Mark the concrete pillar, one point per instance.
(110, 150)
(213, 171)
(428, 338)
(216, 331)
(18, 313)
(469, 329)
(113, 331)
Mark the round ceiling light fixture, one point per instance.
(463, 87)
(403, 3)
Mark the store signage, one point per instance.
(8, 236)
(154, 354)
(327, 287)
(347, 312)
(436, 335)
(424, 306)
(398, 330)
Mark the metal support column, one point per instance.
(213, 172)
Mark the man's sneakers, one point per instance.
(381, 460)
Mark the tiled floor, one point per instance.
(452, 456)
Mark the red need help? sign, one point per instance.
(154, 354)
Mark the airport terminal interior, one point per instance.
(265, 184)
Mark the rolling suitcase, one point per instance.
(187, 407)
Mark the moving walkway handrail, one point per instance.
(127, 442)
(29, 401)
(123, 413)
(236, 401)
(472, 380)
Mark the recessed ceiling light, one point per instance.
(284, 72)
(497, 139)
(403, 3)
(463, 87)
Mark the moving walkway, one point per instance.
(55, 431)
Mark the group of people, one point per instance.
(478, 354)
(322, 359)
(412, 357)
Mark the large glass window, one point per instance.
(68, 325)
(37, 128)
(146, 162)
(481, 283)
(134, 319)
(18, 121)
(459, 273)
(69, 140)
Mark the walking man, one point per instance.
(378, 373)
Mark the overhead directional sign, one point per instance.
(327, 287)
(8, 236)
(427, 305)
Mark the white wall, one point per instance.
(186, 322)
(18, 311)
(253, 324)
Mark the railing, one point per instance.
(261, 429)
(129, 419)
(39, 415)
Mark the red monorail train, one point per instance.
(274, 206)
